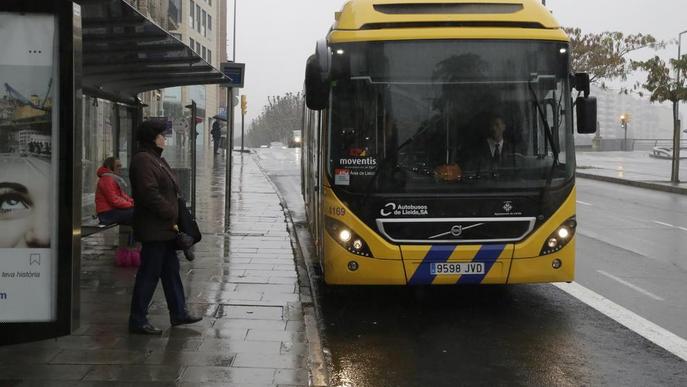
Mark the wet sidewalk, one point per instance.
(631, 168)
(245, 283)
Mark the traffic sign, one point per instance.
(235, 72)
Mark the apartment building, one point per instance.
(647, 120)
(201, 25)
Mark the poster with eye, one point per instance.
(28, 160)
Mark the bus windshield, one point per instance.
(450, 116)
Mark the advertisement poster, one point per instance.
(28, 160)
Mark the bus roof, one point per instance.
(363, 20)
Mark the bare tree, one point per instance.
(604, 55)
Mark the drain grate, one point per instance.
(253, 312)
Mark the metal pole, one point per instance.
(234, 45)
(675, 174)
(227, 176)
(243, 119)
(193, 156)
(229, 149)
(625, 141)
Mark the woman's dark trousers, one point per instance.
(158, 262)
(117, 215)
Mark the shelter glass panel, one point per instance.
(98, 144)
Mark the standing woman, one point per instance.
(155, 190)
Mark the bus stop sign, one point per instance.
(235, 72)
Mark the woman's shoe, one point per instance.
(145, 329)
(188, 319)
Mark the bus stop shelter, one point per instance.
(102, 50)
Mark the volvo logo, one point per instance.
(456, 231)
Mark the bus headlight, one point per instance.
(559, 238)
(358, 244)
(345, 237)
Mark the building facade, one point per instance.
(201, 25)
(647, 121)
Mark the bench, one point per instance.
(90, 226)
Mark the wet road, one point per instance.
(632, 248)
(517, 335)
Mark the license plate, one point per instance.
(457, 268)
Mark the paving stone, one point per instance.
(229, 375)
(71, 356)
(251, 324)
(137, 373)
(245, 284)
(241, 346)
(9, 355)
(252, 312)
(267, 288)
(254, 360)
(186, 358)
(292, 376)
(275, 335)
(45, 372)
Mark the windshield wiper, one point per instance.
(547, 128)
(549, 138)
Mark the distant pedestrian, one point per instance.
(216, 133)
(155, 190)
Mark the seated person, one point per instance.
(112, 203)
(493, 149)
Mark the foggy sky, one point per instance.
(275, 37)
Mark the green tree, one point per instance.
(664, 86)
(604, 56)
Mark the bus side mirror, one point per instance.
(582, 83)
(586, 115)
(317, 78)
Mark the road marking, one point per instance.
(645, 328)
(584, 203)
(629, 285)
(664, 224)
(682, 228)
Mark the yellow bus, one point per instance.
(438, 144)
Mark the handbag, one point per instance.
(188, 233)
(187, 224)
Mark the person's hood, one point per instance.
(103, 170)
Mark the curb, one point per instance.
(639, 184)
(319, 376)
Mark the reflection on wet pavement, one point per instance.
(243, 282)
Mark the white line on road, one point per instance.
(584, 203)
(683, 228)
(664, 224)
(629, 285)
(645, 328)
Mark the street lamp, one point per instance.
(675, 175)
(624, 119)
